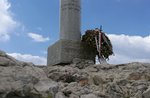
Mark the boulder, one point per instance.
(2, 53)
(23, 80)
(97, 80)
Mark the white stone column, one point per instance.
(70, 20)
(69, 46)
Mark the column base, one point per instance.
(64, 51)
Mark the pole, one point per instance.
(100, 42)
(102, 59)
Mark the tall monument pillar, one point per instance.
(69, 46)
(70, 19)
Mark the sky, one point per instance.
(28, 27)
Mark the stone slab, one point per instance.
(64, 51)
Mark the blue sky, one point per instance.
(28, 27)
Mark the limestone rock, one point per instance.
(60, 95)
(2, 53)
(146, 94)
(6, 60)
(82, 63)
(66, 74)
(98, 80)
(108, 81)
(89, 96)
(135, 76)
(74, 96)
(25, 80)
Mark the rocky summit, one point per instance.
(81, 79)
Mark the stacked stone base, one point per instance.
(64, 51)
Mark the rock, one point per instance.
(98, 80)
(23, 80)
(6, 62)
(81, 79)
(114, 91)
(138, 95)
(64, 74)
(146, 94)
(89, 96)
(2, 53)
(46, 86)
(60, 95)
(92, 68)
(134, 76)
(74, 96)
(81, 63)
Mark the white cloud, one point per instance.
(37, 37)
(7, 23)
(130, 48)
(37, 60)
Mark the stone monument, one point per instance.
(69, 46)
(70, 20)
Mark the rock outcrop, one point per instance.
(23, 80)
(102, 81)
(82, 79)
